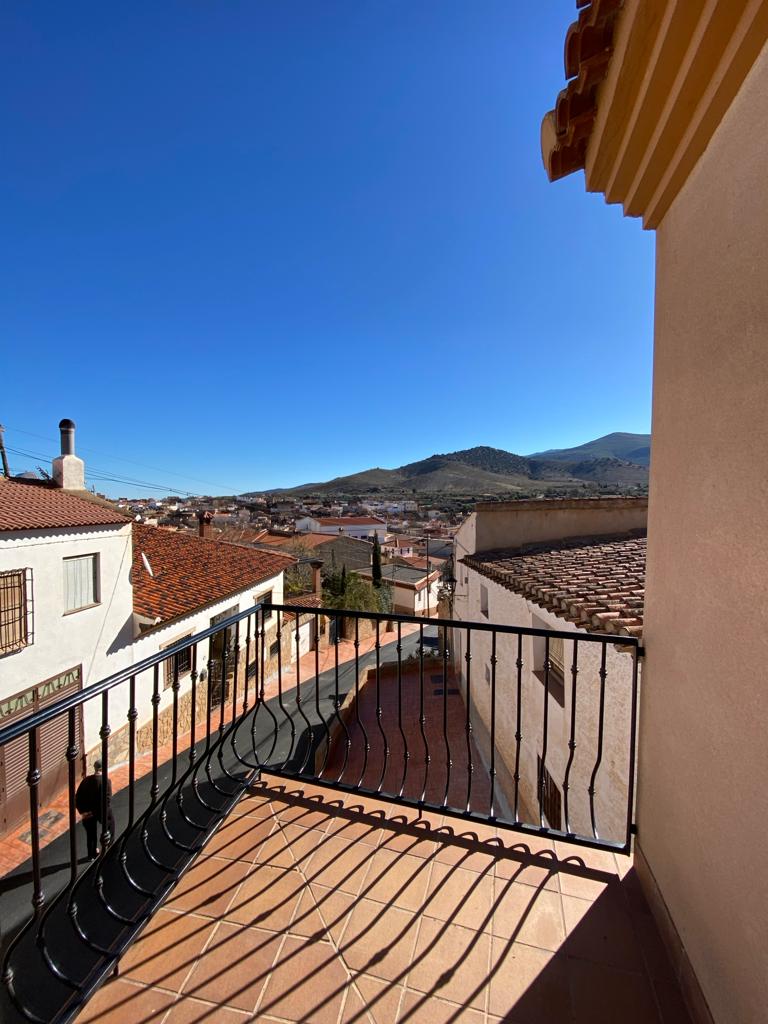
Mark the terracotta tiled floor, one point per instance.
(306, 907)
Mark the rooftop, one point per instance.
(41, 505)
(347, 520)
(597, 583)
(401, 574)
(193, 572)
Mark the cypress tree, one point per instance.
(376, 564)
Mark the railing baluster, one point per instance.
(571, 737)
(358, 719)
(337, 701)
(133, 714)
(234, 674)
(72, 752)
(406, 754)
(106, 802)
(492, 770)
(379, 713)
(599, 756)
(279, 636)
(33, 781)
(422, 716)
(468, 722)
(518, 724)
(448, 761)
(545, 733)
(320, 714)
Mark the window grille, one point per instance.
(550, 796)
(16, 607)
(182, 660)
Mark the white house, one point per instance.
(85, 592)
(66, 609)
(575, 566)
(414, 591)
(359, 527)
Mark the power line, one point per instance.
(131, 462)
(103, 476)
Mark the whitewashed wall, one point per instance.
(99, 637)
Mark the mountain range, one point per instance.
(617, 459)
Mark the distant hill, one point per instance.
(627, 447)
(492, 471)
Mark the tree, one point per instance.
(298, 578)
(376, 563)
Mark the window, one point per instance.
(266, 597)
(15, 610)
(81, 582)
(550, 796)
(182, 660)
(557, 656)
(484, 600)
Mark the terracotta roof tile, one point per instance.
(597, 583)
(565, 131)
(190, 572)
(41, 505)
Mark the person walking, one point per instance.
(89, 804)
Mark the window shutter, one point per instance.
(79, 582)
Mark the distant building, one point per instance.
(414, 591)
(358, 527)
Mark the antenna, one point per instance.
(6, 470)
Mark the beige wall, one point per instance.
(611, 782)
(508, 524)
(703, 784)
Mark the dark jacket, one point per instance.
(88, 796)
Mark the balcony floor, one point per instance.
(312, 906)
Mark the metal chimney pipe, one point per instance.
(67, 428)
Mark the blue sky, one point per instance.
(253, 244)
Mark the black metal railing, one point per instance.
(475, 720)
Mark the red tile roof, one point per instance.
(40, 505)
(565, 131)
(192, 572)
(596, 583)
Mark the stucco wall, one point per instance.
(99, 637)
(703, 786)
(611, 781)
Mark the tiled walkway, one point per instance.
(306, 907)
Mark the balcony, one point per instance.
(353, 836)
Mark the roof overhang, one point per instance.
(650, 81)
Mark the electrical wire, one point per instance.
(104, 476)
(130, 462)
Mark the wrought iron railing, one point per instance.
(478, 721)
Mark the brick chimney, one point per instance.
(68, 470)
(204, 523)
(317, 582)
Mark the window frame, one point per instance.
(25, 621)
(267, 595)
(169, 663)
(552, 798)
(96, 562)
